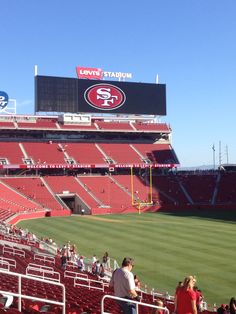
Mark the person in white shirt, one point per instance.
(122, 282)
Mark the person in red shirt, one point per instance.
(199, 298)
(185, 298)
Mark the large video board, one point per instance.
(57, 94)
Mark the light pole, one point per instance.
(214, 156)
(220, 156)
(227, 154)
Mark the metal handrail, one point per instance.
(137, 303)
(89, 283)
(23, 296)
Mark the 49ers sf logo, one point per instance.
(104, 96)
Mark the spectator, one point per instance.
(199, 298)
(97, 268)
(158, 311)
(180, 284)
(185, 298)
(74, 257)
(122, 282)
(222, 309)
(63, 257)
(106, 261)
(137, 283)
(101, 271)
(94, 259)
(80, 263)
(232, 306)
(105, 257)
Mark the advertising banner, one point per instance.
(98, 74)
(3, 100)
(89, 73)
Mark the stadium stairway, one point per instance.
(185, 192)
(23, 151)
(106, 158)
(58, 199)
(90, 192)
(63, 185)
(213, 201)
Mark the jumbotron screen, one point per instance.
(58, 94)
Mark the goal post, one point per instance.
(137, 202)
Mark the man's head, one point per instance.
(128, 262)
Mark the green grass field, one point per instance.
(166, 247)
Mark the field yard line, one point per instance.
(105, 219)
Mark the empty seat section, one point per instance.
(157, 153)
(200, 188)
(227, 189)
(141, 187)
(58, 184)
(84, 153)
(39, 123)
(6, 125)
(113, 126)
(13, 201)
(11, 151)
(108, 192)
(172, 193)
(34, 189)
(77, 127)
(160, 127)
(44, 153)
(120, 153)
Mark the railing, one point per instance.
(90, 283)
(13, 251)
(71, 264)
(20, 296)
(41, 267)
(164, 295)
(4, 265)
(31, 242)
(136, 303)
(48, 247)
(73, 274)
(13, 238)
(11, 262)
(44, 258)
(43, 272)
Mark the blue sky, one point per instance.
(189, 43)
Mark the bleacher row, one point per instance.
(113, 193)
(84, 153)
(41, 280)
(38, 284)
(96, 125)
